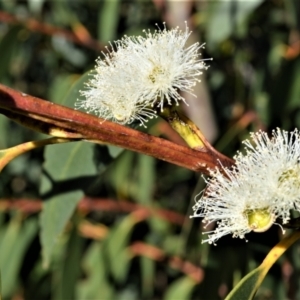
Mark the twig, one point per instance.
(157, 254)
(80, 36)
(51, 118)
(88, 204)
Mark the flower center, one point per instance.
(259, 220)
(156, 73)
(121, 113)
(119, 117)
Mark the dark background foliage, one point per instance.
(130, 236)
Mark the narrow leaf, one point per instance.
(108, 20)
(180, 289)
(61, 86)
(14, 243)
(248, 286)
(148, 276)
(71, 266)
(3, 132)
(73, 94)
(62, 162)
(95, 285)
(116, 247)
(8, 45)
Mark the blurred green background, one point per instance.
(115, 224)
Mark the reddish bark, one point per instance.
(51, 118)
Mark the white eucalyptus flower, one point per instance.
(112, 95)
(163, 64)
(263, 185)
(141, 75)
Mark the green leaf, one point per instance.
(295, 87)
(61, 87)
(35, 6)
(148, 276)
(244, 9)
(8, 44)
(248, 286)
(95, 285)
(115, 246)
(62, 162)
(119, 176)
(14, 242)
(71, 267)
(0, 287)
(3, 132)
(108, 20)
(145, 180)
(72, 95)
(180, 289)
(221, 20)
(114, 151)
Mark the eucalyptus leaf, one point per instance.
(70, 268)
(145, 180)
(8, 44)
(148, 276)
(226, 17)
(108, 20)
(248, 286)
(17, 236)
(182, 288)
(3, 132)
(116, 245)
(95, 285)
(73, 94)
(61, 86)
(62, 162)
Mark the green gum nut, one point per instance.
(259, 220)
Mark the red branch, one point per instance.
(42, 115)
(88, 204)
(157, 254)
(112, 205)
(79, 36)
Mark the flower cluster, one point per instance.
(142, 74)
(263, 185)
